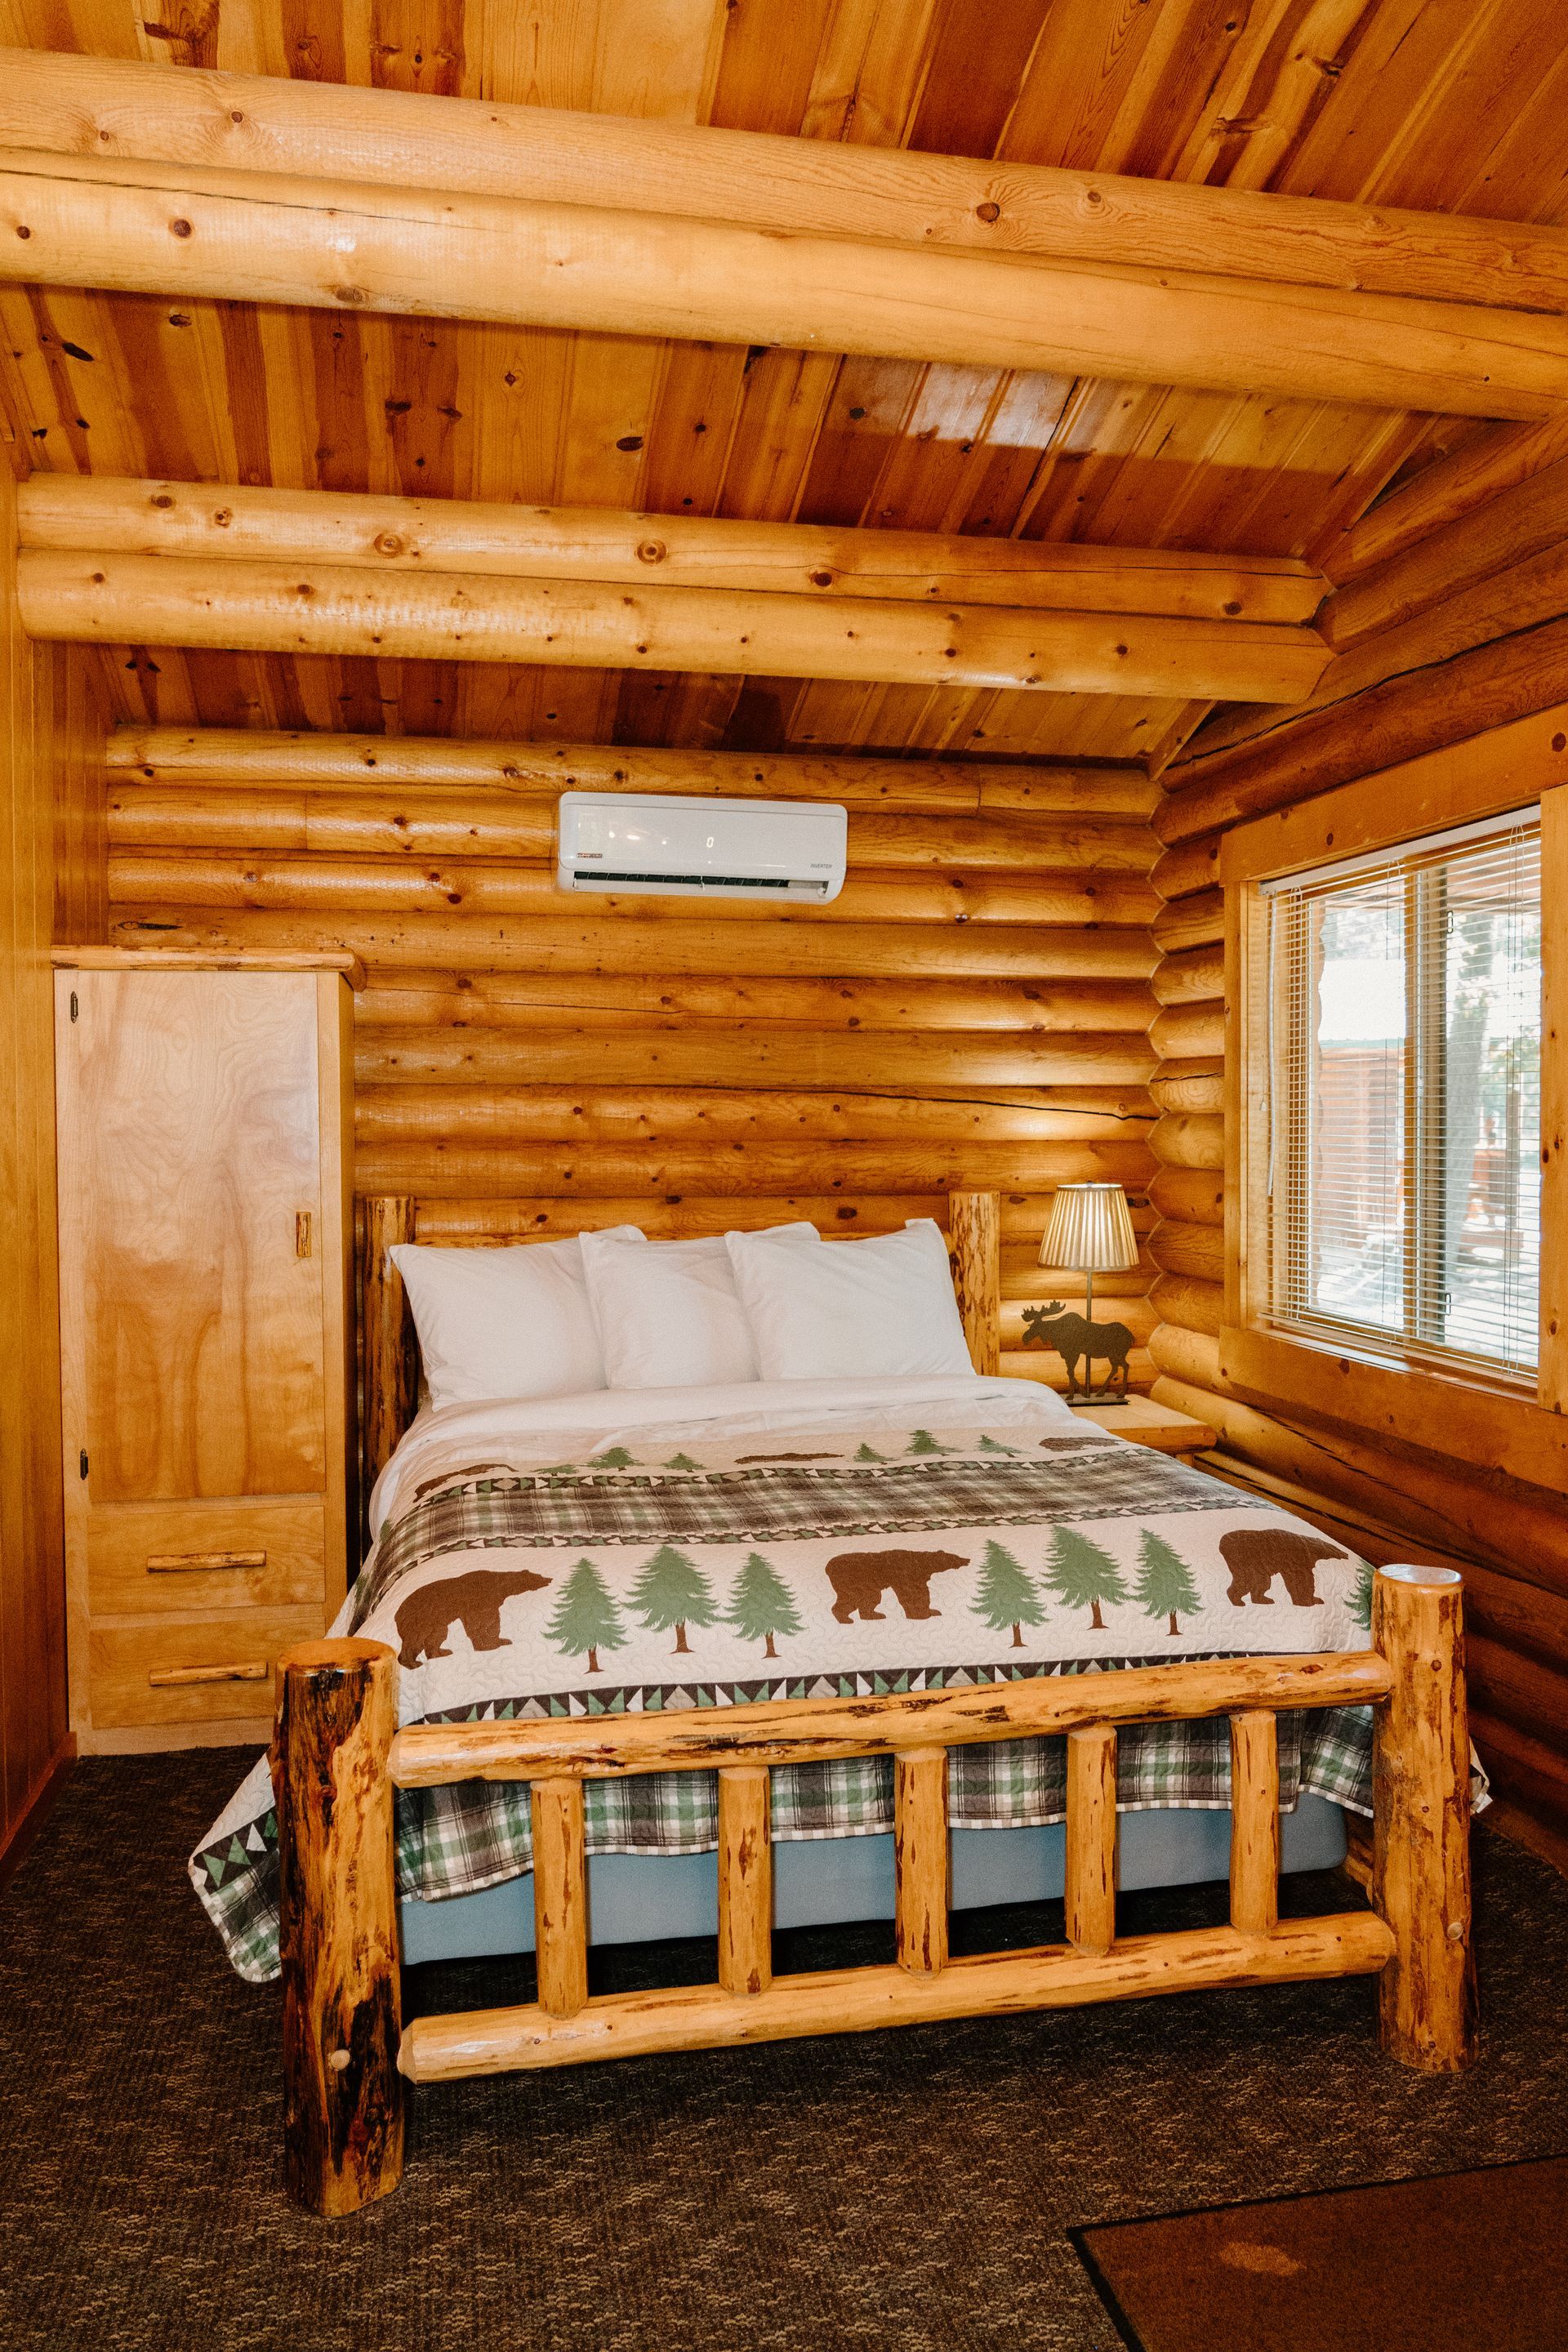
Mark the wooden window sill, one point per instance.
(1455, 1418)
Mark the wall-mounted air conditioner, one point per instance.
(681, 846)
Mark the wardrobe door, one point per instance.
(190, 1156)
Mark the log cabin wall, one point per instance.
(51, 887)
(1450, 621)
(973, 1011)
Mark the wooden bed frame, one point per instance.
(339, 1757)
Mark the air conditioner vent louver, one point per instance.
(694, 847)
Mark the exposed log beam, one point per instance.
(409, 537)
(238, 755)
(1443, 491)
(102, 106)
(1511, 679)
(1525, 521)
(282, 607)
(332, 245)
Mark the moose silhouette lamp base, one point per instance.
(1090, 1232)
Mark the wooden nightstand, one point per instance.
(1144, 1423)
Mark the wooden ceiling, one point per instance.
(1440, 104)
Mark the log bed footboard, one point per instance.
(337, 1759)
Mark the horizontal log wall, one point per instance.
(973, 1011)
(1513, 1535)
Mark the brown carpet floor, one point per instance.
(900, 2192)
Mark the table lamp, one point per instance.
(1090, 1232)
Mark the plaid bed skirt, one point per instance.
(459, 1839)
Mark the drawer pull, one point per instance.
(181, 1563)
(170, 1678)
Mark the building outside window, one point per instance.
(1405, 1043)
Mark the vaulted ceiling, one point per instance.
(1441, 104)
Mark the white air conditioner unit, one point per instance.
(686, 847)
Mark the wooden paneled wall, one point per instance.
(973, 1011)
(51, 887)
(1395, 1500)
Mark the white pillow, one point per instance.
(504, 1322)
(668, 1314)
(874, 1309)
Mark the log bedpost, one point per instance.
(391, 1378)
(342, 2095)
(1421, 1851)
(975, 1221)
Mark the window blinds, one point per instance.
(1405, 1044)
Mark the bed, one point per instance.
(713, 1658)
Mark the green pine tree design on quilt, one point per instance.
(671, 1590)
(1082, 1574)
(991, 1446)
(922, 1441)
(682, 1462)
(617, 1458)
(1007, 1595)
(585, 1618)
(1360, 1601)
(864, 1452)
(1165, 1586)
(762, 1605)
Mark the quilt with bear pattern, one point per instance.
(977, 1539)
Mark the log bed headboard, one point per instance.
(391, 1357)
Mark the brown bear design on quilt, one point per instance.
(1256, 1555)
(859, 1579)
(473, 1602)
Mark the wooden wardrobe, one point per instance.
(206, 1245)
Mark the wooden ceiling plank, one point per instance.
(92, 107)
(1274, 80)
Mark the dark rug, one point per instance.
(903, 2192)
(1477, 2261)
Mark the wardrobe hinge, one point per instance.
(75, 1007)
(82, 1457)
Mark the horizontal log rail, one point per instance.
(227, 523)
(335, 1733)
(193, 231)
(868, 2000)
(819, 1731)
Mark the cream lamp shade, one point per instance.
(1091, 1230)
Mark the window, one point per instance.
(1404, 1163)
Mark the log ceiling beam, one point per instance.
(196, 230)
(822, 564)
(120, 109)
(276, 597)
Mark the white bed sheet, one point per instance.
(445, 1437)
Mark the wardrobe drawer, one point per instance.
(149, 1559)
(193, 1672)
